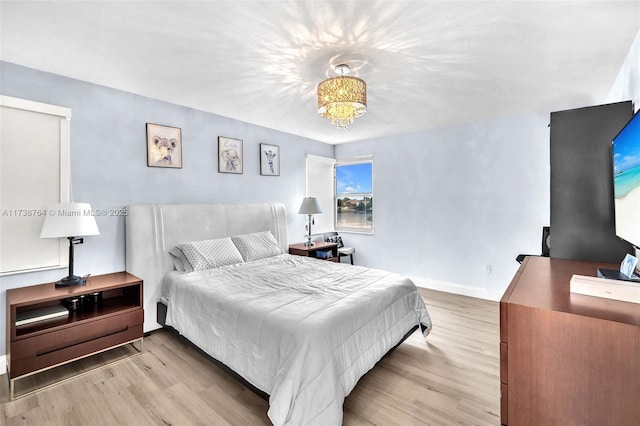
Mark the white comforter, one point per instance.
(300, 329)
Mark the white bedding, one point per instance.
(300, 329)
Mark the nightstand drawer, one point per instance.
(319, 250)
(34, 353)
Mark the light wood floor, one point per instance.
(451, 378)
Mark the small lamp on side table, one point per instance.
(309, 207)
(70, 220)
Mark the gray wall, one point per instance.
(450, 201)
(582, 206)
(109, 166)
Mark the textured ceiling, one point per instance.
(426, 63)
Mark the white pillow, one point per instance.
(257, 245)
(208, 254)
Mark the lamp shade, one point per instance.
(342, 99)
(310, 206)
(69, 220)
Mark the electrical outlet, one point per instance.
(487, 268)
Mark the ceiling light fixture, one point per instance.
(342, 99)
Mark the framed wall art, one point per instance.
(164, 146)
(229, 155)
(269, 160)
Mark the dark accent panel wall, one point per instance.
(582, 215)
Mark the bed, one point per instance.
(301, 330)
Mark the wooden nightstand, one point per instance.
(108, 313)
(300, 249)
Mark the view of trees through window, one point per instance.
(354, 196)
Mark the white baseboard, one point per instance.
(3, 364)
(463, 290)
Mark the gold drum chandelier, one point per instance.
(342, 99)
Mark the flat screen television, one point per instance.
(626, 181)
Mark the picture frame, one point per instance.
(269, 160)
(230, 158)
(164, 146)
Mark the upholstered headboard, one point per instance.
(153, 229)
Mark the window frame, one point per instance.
(337, 195)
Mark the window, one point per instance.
(35, 173)
(354, 195)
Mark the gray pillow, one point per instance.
(257, 245)
(179, 260)
(207, 254)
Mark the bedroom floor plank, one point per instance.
(452, 377)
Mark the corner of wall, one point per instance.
(460, 289)
(627, 83)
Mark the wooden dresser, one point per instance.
(567, 359)
(114, 320)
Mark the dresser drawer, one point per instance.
(38, 352)
(504, 362)
(504, 404)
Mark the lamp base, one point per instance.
(70, 281)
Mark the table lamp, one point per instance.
(309, 207)
(70, 220)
